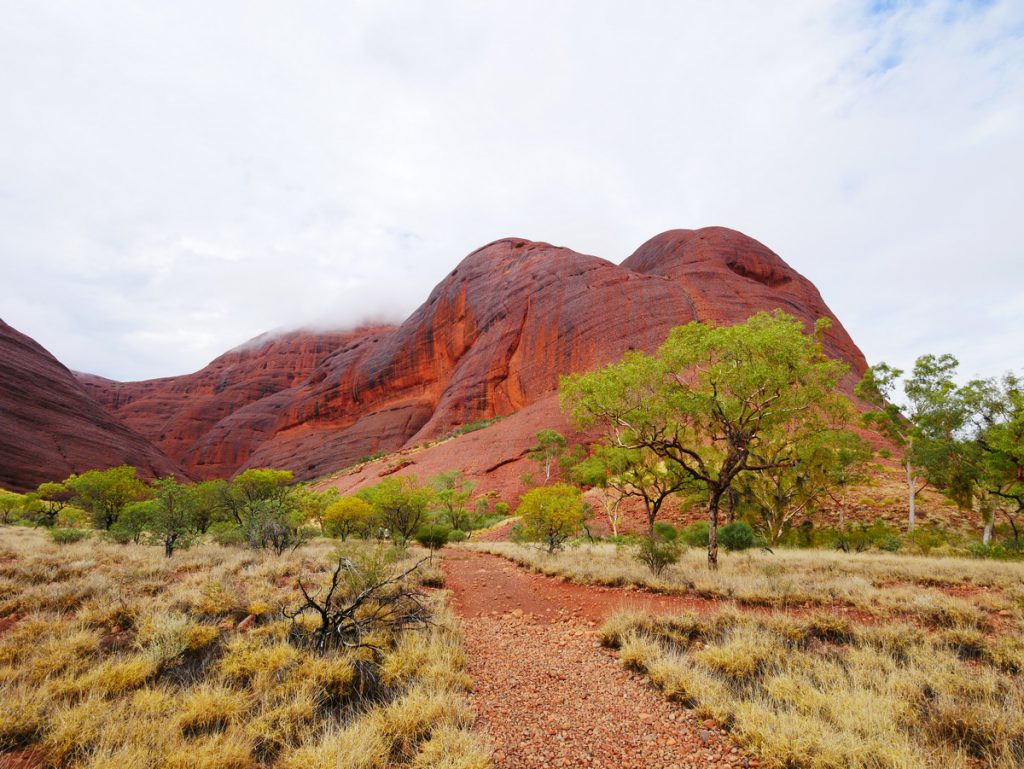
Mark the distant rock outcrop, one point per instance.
(50, 427)
(493, 338)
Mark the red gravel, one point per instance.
(547, 693)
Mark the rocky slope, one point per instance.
(492, 339)
(211, 420)
(50, 427)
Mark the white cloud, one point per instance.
(176, 178)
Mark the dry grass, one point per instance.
(944, 592)
(122, 658)
(821, 693)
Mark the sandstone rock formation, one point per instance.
(211, 421)
(492, 339)
(50, 427)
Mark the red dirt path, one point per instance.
(547, 693)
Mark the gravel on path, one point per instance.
(549, 695)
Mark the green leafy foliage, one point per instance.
(658, 553)
(715, 402)
(666, 531)
(550, 447)
(433, 536)
(401, 504)
(552, 514)
(103, 494)
(451, 495)
(696, 534)
(68, 536)
(348, 516)
(736, 536)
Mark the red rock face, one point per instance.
(51, 428)
(233, 398)
(728, 277)
(492, 339)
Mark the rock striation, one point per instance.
(50, 427)
(492, 338)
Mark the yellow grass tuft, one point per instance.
(150, 671)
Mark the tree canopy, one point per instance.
(714, 401)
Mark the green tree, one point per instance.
(103, 494)
(711, 398)
(53, 498)
(211, 504)
(897, 421)
(401, 504)
(940, 446)
(971, 440)
(595, 472)
(348, 516)
(997, 426)
(786, 491)
(451, 493)
(9, 504)
(256, 489)
(552, 514)
(550, 448)
(313, 504)
(173, 514)
(133, 521)
(636, 473)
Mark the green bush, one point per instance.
(501, 508)
(992, 550)
(225, 533)
(432, 537)
(736, 536)
(68, 536)
(657, 553)
(890, 544)
(665, 531)
(120, 534)
(457, 535)
(696, 534)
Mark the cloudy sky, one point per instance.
(176, 178)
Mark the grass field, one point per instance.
(822, 692)
(939, 591)
(925, 672)
(114, 656)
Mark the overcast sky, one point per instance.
(177, 177)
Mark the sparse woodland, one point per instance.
(255, 621)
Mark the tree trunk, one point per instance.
(910, 495)
(986, 534)
(169, 547)
(1013, 526)
(713, 530)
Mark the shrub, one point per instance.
(501, 508)
(552, 514)
(225, 533)
(736, 536)
(68, 536)
(890, 544)
(457, 535)
(348, 516)
(119, 534)
(666, 531)
(696, 534)
(657, 553)
(432, 537)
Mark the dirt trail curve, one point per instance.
(545, 691)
